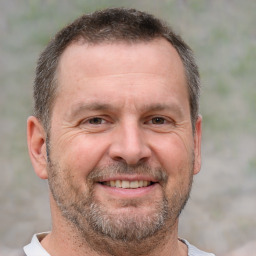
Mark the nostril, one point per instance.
(131, 162)
(119, 159)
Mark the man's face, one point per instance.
(122, 152)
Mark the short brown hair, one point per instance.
(109, 25)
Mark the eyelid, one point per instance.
(88, 119)
(97, 118)
(167, 120)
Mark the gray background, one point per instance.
(220, 215)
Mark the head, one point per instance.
(108, 26)
(116, 102)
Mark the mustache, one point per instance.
(100, 173)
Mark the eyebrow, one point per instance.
(161, 107)
(158, 107)
(80, 108)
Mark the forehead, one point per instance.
(147, 66)
(125, 57)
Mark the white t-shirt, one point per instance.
(36, 249)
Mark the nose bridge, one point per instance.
(129, 143)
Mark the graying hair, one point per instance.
(109, 25)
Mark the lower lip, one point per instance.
(128, 193)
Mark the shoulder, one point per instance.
(194, 251)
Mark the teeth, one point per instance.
(145, 183)
(134, 184)
(140, 183)
(118, 184)
(127, 184)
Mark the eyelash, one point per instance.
(94, 121)
(162, 119)
(101, 120)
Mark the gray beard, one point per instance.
(126, 227)
(87, 215)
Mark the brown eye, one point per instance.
(158, 120)
(96, 120)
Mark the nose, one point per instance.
(129, 145)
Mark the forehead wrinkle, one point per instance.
(161, 107)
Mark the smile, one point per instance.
(127, 184)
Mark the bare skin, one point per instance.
(117, 104)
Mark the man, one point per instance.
(116, 132)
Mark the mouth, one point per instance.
(126, 184)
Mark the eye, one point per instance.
(96, 124)
(96, 120)
(158, 120)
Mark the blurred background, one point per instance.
(220, 215)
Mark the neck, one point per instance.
(66, 240)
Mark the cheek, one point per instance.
(84, 152)
(174, 154)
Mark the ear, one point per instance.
(36, 139)
(197, 144)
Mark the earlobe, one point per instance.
(36, 139)
(197, 144)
